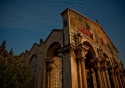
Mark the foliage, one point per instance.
(13, 73)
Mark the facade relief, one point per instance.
(89, 28)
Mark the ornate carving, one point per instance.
(66, 48)
(82, 50)
(49, 64)
(83, 47)
(111, 71)
(49, 68)
(100, 53)
(96, 63)
(104, 64)
(49, 61)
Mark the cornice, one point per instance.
(67, 48)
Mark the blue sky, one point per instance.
(25, 22)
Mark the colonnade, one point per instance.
(103, 75)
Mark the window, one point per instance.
(33, 63)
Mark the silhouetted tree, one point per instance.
(13, 73)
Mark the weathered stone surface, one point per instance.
(77, 56)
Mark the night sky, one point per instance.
(25, 22)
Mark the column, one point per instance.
(84, 81)
(107, 77)
(48, 79)
(97, 67)
(49, 69)
(94, 78)
(48, 76)
(119, 80)
(104, 82)
(79, 74)
(116, 79)
(99, 77)
(122, 78)
(113, 78)
(82, 51)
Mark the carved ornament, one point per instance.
(66, 48)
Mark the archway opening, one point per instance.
(55, 75)
(88, 66)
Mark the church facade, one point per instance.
(80, 55)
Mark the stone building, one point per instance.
(80, 55)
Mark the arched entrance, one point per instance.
(54, 67)
(88, 65)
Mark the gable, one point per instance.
(55, 36)
(91, 29)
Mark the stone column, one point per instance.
(122, 78)
(120, 83)
(84, 81)
(48, 79)
(97, 68)
(82, 51)
(79, 74)
(94, 78)
(49, 69)
(104, 82)
(118, 78)
(121, 75)
(112, 77)
(48, 76)
(99, 77)
(107, 77)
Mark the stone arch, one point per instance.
(53, 50)
(91, 49)
(53, 66)
(91, 54)
(32, 57)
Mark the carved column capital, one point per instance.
(49, 61)
(82, 59)
(111, 71)
(49, 68)
(82, 47)
(100, 52)
(92, 70)
(66, 49)
(96, 63)
(49, 64)
(104, 64)
(82, 50)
